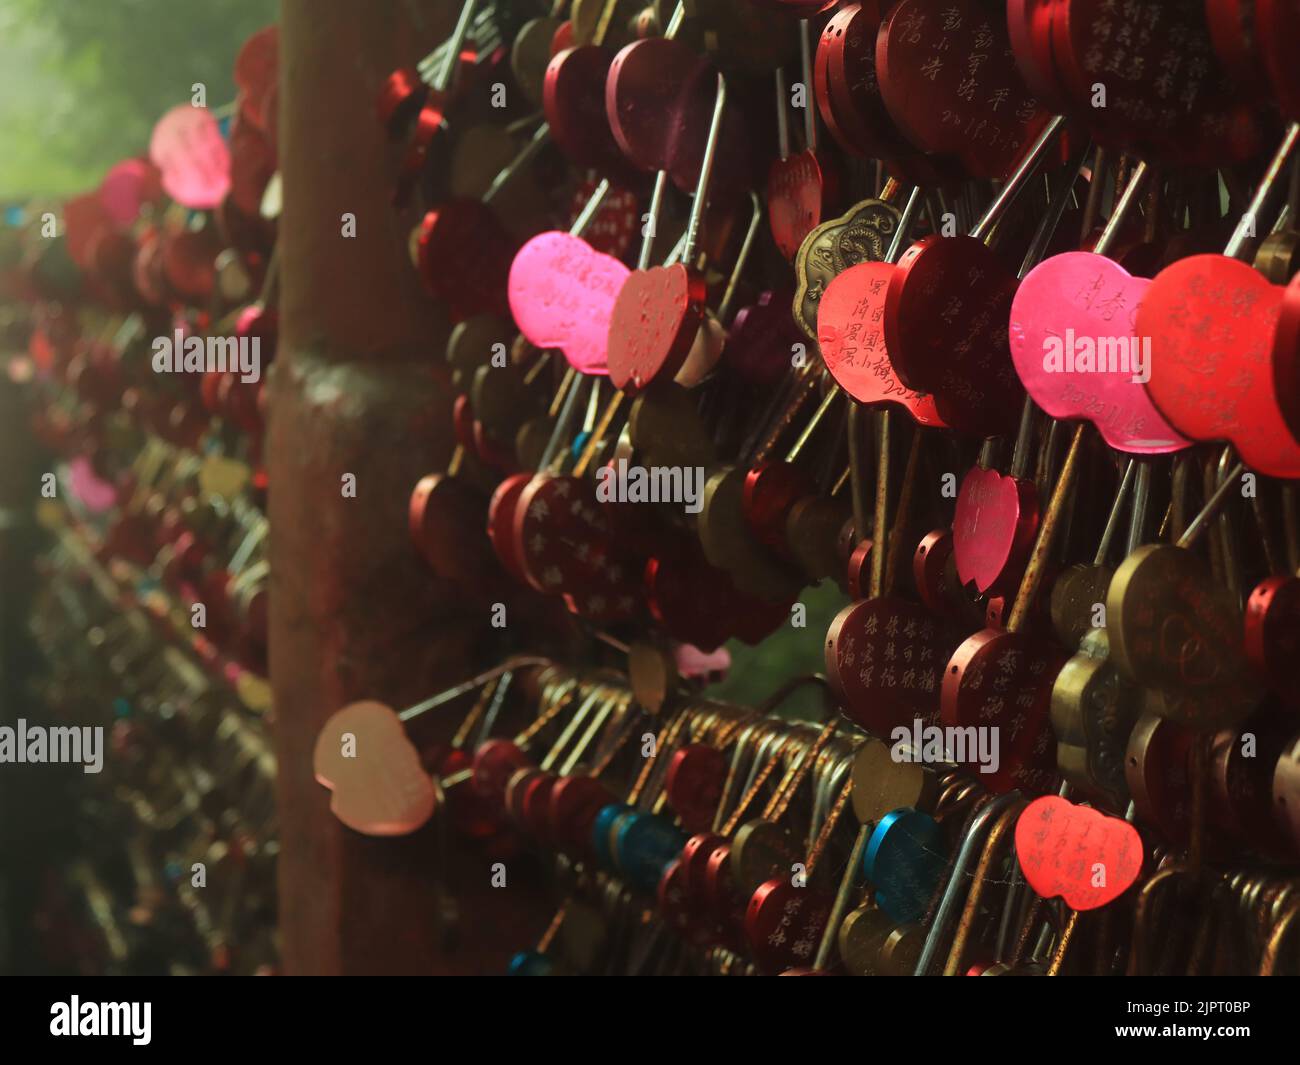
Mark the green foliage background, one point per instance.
(757, 672)
(83, 81)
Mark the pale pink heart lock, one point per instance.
(189, 150)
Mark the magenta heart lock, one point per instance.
(992, 528)
(1076, 348)
(562, 294)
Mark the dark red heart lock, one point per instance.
(561, 534)
(744, 144)
(574, 803)
(1176, 104)
(464, 255)
(255, 73)
(695, 864)
(1029, 30)
(495, 762)
(491, 452)
(771, 489)
(501, 523)
(473, 816)
(147, 273)
(784, 924)
(845, 84)
(1211, 322)
(934, 569)
(858, 570)
(1272, 634)
(1234, 35)
(760, 340)
(252, 164)
(533, 806)
(650, 86)
(1277, 24)
(573, 96)
(1241, 766)
(696, 774)
(446, 518)
(1076, 853)
(617, 222)
(653, 325)
(725, 902)
(1157, 770)
(946, 312)
(847, 90)
(676, 908)
(112, 260)
(678, 587)
(1286, 357)
(796, 194)
(697, 603)
(993, 528)
(84, 219)
(949, 80)
(756, 619)
(884, 659)
(850, 333)
(614, 592)
(188, 265)
(1003, 681)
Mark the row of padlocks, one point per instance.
(980, 317)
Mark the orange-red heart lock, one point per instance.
(1080, 854)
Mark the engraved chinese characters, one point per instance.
(1077, 348)
(950, 82)
(850, 332)
(1211, 321)
(885, 658)
(562, 294)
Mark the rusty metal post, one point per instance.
(355, 390)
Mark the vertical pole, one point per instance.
(358, 388)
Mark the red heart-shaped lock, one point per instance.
(851, 334)
(884, 659)
(946, 315)
(561, 535)
(794, 200)
(1078, 853)
(1286, 357)
(1211, 321)
(653, 325)
(992, 527)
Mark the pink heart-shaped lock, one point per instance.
(562, 293)
(992, 526)
(365, 758)
(187, 147)
(1076, 348)
(1076, 852)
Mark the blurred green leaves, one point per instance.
(757, 672)
(83, 81)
